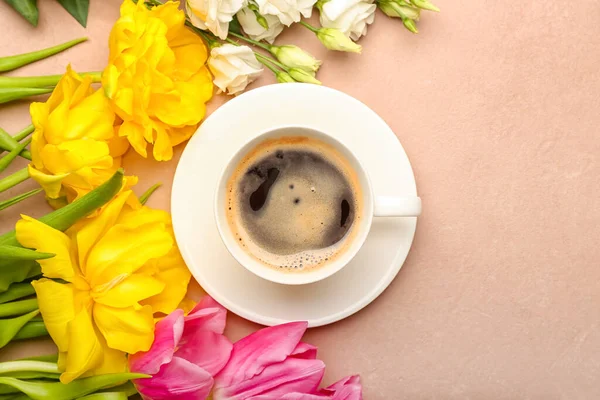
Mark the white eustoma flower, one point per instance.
(349, 16)
(256, 31)
(233, 67)
(288, 11)
(214, 15)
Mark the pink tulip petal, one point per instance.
(292, 375)
(290, 396)
(252, 354)
(167, 334)
(178, 380)
(305, 350)
(208, 350)
(348, 388)
(208, 315)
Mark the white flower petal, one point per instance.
(349, 16)
(253, 29)
(233, 67)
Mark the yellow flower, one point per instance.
(122, 269)
(156, 77)
(74, 147)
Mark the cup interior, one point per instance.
(359, 230)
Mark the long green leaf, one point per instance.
(144, 198)
(12, 62)
(69, 391)
(28, 130)
(10, 94)
(32, 329)
(53, 358)
(27, 8)
(10, 327)
(17, 291)
(29, 366)
(43, 81)
(14, 200)
(14, 179)
(7, 159)
(8, 252)
(78, 9)
(16, 271)
(9, 143)
(63, 218)
(106, 396)
(19, 307)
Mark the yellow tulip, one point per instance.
(156, 78)
(74, 148)
(122, 270)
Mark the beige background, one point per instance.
(497, 105)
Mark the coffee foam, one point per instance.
(304, 223)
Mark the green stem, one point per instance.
(268, 65)
(24, 133)
(144, 198)
(14, 200)
(18, 307)
(28, 365)
(10, 94)
(40, 81)
(14, 179)
(272, 61)
(32, 329)
(7, 159)
(12, 62)
(210, 41)
(254, 42)
(16, 291)
(309, 26)
(9, 143)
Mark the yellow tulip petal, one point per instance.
(91, 118)
(52, 184)
(113, 362)
(122, 250)
(86, 351)
(68, 157)
(57, 308)
(39, 116)
(125, 329)
(135, 134)
(135, 217)
(91, 230)
(176, 279)
(128, 292)
(163, 149)
(34, 234)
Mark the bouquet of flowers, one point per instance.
(102, 274)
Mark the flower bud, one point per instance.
(399, 9)
(294, 57)
(425, 5)
(334, 39)
(300, 75)
(284, 77)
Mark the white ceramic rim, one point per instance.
(294, 278)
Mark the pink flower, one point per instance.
(187, 352)
(272, 364)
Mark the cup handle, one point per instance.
(386, 206)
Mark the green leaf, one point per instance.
(144, 198)
(16, 271)
(18, 307)
(53, 358)
(10, 327)
(63, 218)
(9, 367)
(10, 94)
(7, 159)
(9, 143)
(27, 8)
(8, 252)
(106, 396)
(32, 329)
(69, 391)
(17, 291)
(9, 63)
(234, 26)
(78, 9)
(14, 200)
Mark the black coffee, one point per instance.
(295, 201)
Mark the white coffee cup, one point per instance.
(373, 206)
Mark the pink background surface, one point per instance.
(497, 105)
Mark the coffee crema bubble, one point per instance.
(292, 203)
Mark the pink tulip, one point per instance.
(187, 352)
(272, 364)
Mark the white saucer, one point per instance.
(204, 158)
